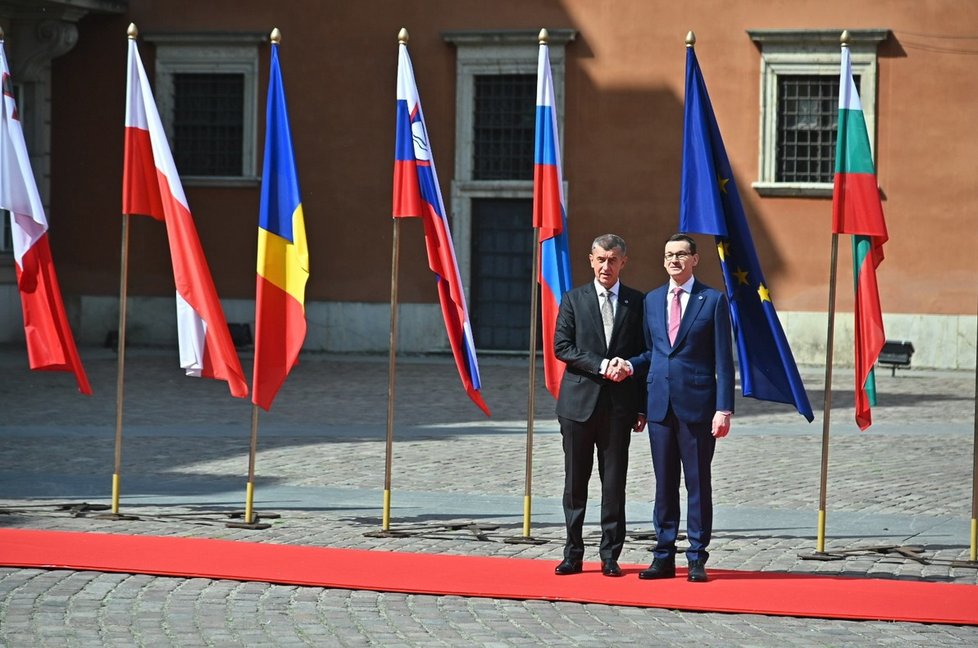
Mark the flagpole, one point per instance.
(120, 371)
(531, 398)
(827, 405)
(974, 474)
(392, 360)
(250, 487)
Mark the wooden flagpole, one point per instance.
(251, 519)
(392, 362)
(120, 371)
(252, 451)
(531, 398)
(974, 473)
(827, 404)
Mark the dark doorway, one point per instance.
(502, 265)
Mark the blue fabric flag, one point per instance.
(710, 204)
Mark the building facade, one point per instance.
(772, 71)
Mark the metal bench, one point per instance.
(895, 353)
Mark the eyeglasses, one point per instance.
(678, 256)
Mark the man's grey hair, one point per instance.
(610, 242)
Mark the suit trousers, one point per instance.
(685, 449)
(609, 432)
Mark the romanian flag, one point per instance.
(283, 255)
(151, 186)
(550, 216)
(710, 204)
(417, 195)
(50, 344)
(858, 210)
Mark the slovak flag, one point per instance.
(151, 186)
(550, 216)
(50, 345)
(417, 194)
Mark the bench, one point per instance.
(895, 353)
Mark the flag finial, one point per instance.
(402, 36)
(690, 38)
(544, 36)
(132, 32)
(844, 39)
(275, 36)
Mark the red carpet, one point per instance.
(801, 595)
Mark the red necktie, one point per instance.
(675, 314)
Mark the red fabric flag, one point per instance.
(50, 344)
(151, 186)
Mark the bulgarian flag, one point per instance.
(50, 344)
(857, 210)
(151, 186)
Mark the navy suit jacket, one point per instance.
(696, 374)
(579, 342)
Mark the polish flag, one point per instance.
(50, 345)
(151, 186)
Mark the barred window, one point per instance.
(504, 122)
(208, 123)
(808, 113)
(206, 88)
(800, 106)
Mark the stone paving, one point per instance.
(458, 480)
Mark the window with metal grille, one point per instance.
(808, 117)
(504, 121)
(208, 124)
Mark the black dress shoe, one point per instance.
(660, 568)
(568, 567)
(610, 568)
(697, 572)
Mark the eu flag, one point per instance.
(710, 204)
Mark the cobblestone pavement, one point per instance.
(456, 477)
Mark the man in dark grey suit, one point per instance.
(598, 321)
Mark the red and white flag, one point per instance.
(151, 186)
(50, 345)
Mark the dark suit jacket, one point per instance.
(579, 342)
(696, 374)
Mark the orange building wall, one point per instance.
(622, 141)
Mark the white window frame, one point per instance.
(809, 52)
(211, 53)
(486, 53)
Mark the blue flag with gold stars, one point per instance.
(710, 204)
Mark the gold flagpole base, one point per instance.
(526, 537)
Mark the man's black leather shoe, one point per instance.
(697, 572)
(610, 568)
(660, 568)
(568, 567)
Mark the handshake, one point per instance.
(618, 369)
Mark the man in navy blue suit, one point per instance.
(689, 360)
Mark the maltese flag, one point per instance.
(50, 345)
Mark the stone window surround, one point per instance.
(808, 52)
(492, 52)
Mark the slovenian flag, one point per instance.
(283, 254)
(50, 344)
(709, 203)
(417, 195)
(151, 186)
(858, 210)
(550, 216)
